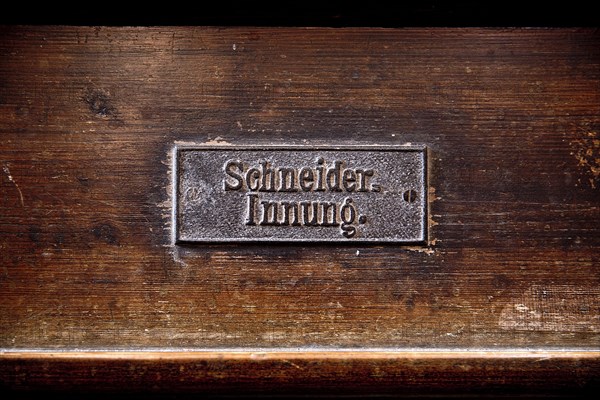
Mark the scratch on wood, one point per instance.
(10, 178)
(293, 364)
(553, 308)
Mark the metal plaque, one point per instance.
(300, 194)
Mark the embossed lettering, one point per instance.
(304, 213)
(250, 215)
(332, 177)
(265, 177)
(306, 179)
(230, 170)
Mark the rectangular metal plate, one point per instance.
(300, 194)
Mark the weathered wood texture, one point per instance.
(88, 118)
(543, 374)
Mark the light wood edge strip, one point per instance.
(224, 355)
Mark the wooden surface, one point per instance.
(88, 118)
(544, 374)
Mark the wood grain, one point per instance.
(345, 373)
(88, 118)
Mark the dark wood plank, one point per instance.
(88, 118)
(327, 374)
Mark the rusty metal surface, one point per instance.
(305, 194)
